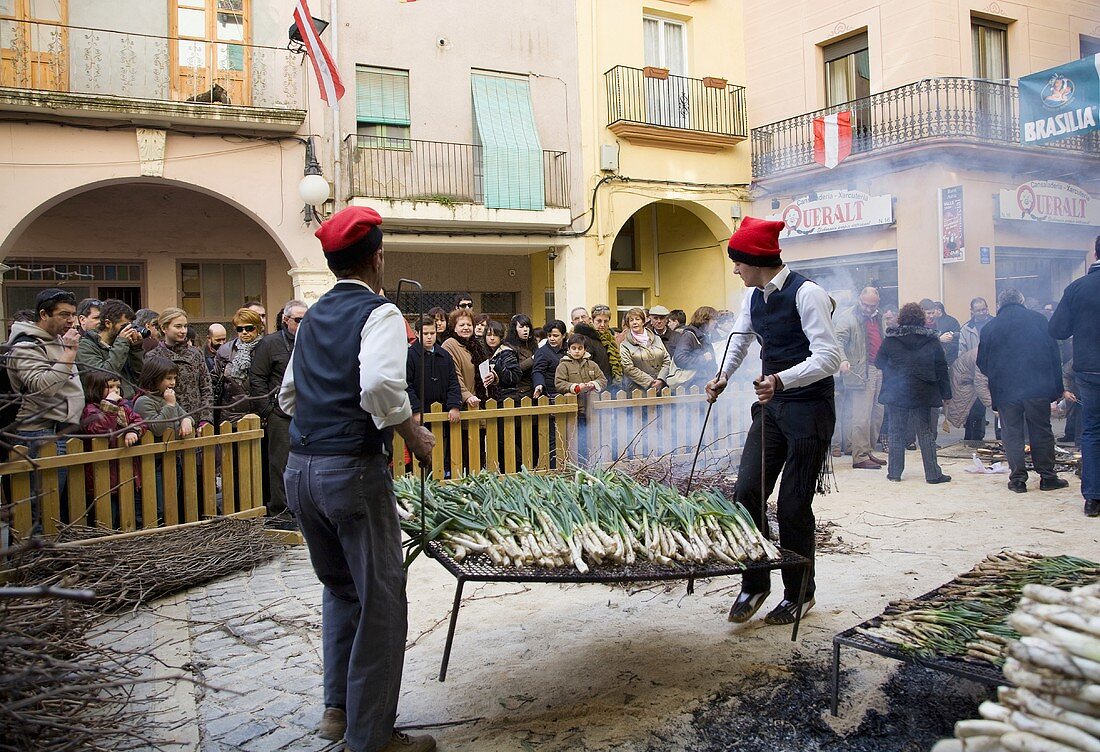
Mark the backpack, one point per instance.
(11, 400)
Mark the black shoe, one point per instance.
(895, 480)
(746, 605)
(1092, 507)
(1018, 486)
(941, 479)
(1053, 485)
(787, 611)
(911, 447)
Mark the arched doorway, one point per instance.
(154, 245)
(669, 253)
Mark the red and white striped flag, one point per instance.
(327, 76)
(833, 138)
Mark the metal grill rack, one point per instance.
(480, 568)
(977, 671)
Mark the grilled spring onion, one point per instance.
(589, 517)
(969, 616)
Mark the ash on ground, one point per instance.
(786, 709)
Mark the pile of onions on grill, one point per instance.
(1055, 667)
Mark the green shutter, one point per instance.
(511, 153)
(382, 96)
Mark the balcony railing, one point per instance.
(933, 108)
(707, 105)
(401, 169)
(53, 57)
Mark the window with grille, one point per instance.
(625, 299)
(24, 280)
(214, 290)
(382, 107)
(501, 303)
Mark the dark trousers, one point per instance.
(974, 428)
(278, 450)
(1088, 389)
(795, 439)
(1032, 415)
(348, 515)
(906, 423)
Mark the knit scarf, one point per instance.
(237, 367)
(473, 346)
(614, 359)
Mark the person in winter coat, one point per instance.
(468, 355)
(193, 387)
(113, 346)
(645, 360)
(601, 322)
(107, 413)
(915, 382)
(859, 333)
(694, 356)
(157, 403)
(594, 346)
(577, 372)
(969, 387)
(1024, 367)
(440, 378)
(547, 358)
(505, 372)
(232, 366)
(521, 340)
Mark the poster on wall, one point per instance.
(952, 244)
(829, 211)
(1060, 102)
(1049, 201)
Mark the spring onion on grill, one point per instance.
(588, 518)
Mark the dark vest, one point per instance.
(328, 417)
(785, 344)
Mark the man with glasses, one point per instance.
(265, 374)
(114, 347)
(464, 302)
(859, 332)
(87, 314)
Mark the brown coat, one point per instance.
(464, 367)
(967, 385)
(572, 373)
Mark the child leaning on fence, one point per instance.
(107, 413)
(157, 404)
(577, 373)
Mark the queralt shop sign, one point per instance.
(831, 211)
(1049, 201)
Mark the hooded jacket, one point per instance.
(1020, 358)
(50, 392)
(595, 347)
(914, 368)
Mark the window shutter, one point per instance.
(382, 96)
(511, 153)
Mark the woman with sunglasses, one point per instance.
(232, 363)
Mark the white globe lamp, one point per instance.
(314, 190)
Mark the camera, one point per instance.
(143, 331)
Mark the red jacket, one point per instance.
(96, 419)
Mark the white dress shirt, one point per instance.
(815, 308)
(383, 351)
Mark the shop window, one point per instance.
(625, 299)
(1089, 46)
(624, 251)
(668, 100)
(213, 290)
(209, 57)
(1040, 274)
(34, 44)
(382, 107)
(25, 279)
(848, 79)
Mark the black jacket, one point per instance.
(595, 348)
(947, 323)
(546, 365)
(691, 353)
(1078, 316)
(506, 365)
(440, 378)
(265, 373)
(1019, 357)
(914, 368)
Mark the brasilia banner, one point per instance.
(1060, 102)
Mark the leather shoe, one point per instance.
(1017, 486)
(941, 479)
(746, 605)
(876, 460)
(334, 722)
(400, 742)
(1092, 507)
(866, 465)
(1053, 485)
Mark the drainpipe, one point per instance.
(656, 256)
(337, 134)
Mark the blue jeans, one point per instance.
(1088, 389)
(347, 513)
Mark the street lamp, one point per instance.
(313, 188)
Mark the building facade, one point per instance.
(938, 199)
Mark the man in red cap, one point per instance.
(347, 395)
(794, 416)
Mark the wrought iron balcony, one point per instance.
(652, 106)
(962, 109)
(54, 65)
(401, 169)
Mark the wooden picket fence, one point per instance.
(542, 435)
(241, 486)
